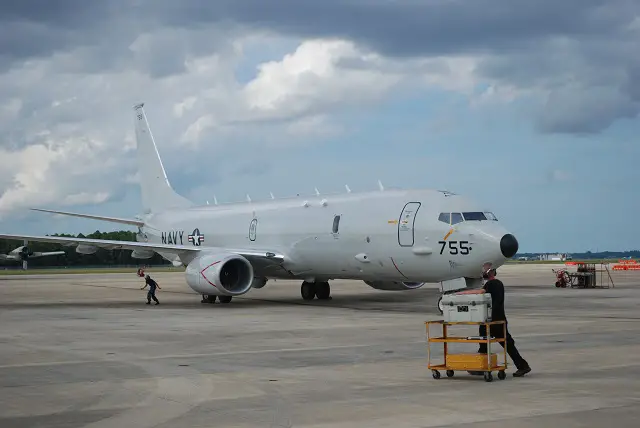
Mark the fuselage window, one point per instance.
(456, 218)
(445, 217)
(336, 224)
(474, 216)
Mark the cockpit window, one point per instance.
(456, 218)
(474, 216)
(490, 216)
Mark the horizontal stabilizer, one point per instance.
(131, 222)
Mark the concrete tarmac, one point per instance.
(86, 351)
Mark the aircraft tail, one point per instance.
(156, 192)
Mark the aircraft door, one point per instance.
(406, 224)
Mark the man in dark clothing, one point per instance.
(495, 288)
(152, 289)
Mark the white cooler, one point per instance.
(467, 307)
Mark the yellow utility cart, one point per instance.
(473, 362)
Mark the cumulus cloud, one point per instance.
(55, 172)
(71, 70)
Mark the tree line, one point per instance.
(588, 255)
(102, 257)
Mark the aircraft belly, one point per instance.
(324, 255)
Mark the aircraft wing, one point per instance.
(130, 222)
(134, 245)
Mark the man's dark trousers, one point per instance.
(497, 332)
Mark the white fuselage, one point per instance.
(385, 235)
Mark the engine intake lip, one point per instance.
(220, 274)
(234, 277)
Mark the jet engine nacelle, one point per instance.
(394, 285)
(222, 274)
(22, 253)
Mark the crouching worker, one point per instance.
(495, 288)
(151, 294)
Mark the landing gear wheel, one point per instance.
(440, 306)
(488, 377)
(449, 373)
(323, 290)
(208, 299)
(435, 374)
(502, 375)
(225, 299)
(308, 290)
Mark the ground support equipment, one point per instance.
(472, 362)
(586, 276)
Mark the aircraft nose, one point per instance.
(509, 245)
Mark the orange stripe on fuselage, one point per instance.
(448, 234)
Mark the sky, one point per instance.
(529, 107)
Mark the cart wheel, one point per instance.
(502, 375)
(449, 373)
(440, 306)
(436, 374)
(488, 377)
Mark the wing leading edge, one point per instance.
(131, 222)
(134, 245)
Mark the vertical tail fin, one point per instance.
(157, 194)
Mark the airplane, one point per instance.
(391, 239)
(24, 253)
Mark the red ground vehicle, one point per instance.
(563, 279)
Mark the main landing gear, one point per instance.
(321, 290)
(212, 298)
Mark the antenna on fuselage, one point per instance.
(346, 186)
(380, 186)
(207, 202)
(272, 197)
(248, 198)
(317, 192)
(215, 200)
